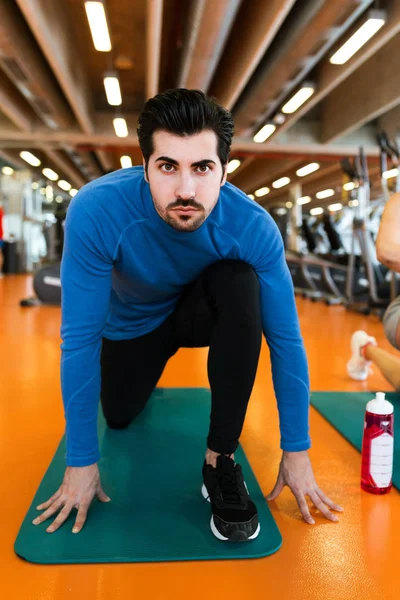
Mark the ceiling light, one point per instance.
(390, 174)
(35, 185)
(126, 162)
(262, 192)
(7, 171)
(307, 169)
(349, 186)
(42, 191)
(376, 20)
(121, 128)
(96, 15)
(233, 165)
(281, 182)
(279, 119)
(316, 211)
(113, 90)
(304, 93)
(264, 133)
(303, 200)
(59, 199)
(289, 204)
(73, 192)
(335, 207)
(325, 194)
(49, 192)
(353, 203)
(30, 158)
(251, 196)
(64, 185)
(50, 174)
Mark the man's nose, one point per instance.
(185, 188)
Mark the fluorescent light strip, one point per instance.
(73, 192)
(316, 211)
(349, 186)
(281, 182)
(264, 133)
(64, 185)
(390, 174)
(357, 40)
(120, 127)
(289, 204)
(325, 194)
(335, 207)
(7, 171)
(98, 26)
(30, 158)
(251, 196)
(353, 203)
(303, 200)
(298, 99)
(262, 192)
(126, 162)
(50, 174)
(113, 90)
(233, 165)
(307, 170)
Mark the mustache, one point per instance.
(186, 204)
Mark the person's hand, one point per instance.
(296, 472)
(78, 489)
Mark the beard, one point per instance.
(182, 222)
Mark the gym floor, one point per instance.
(355, 558)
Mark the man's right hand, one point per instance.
(78, 489)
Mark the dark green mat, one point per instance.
(152, 473)
(345, 411)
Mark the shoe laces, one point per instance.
(227, 479)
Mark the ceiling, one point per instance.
(253, 56)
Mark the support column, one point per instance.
(295, 217)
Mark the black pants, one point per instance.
(221, 309)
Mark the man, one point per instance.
(169, 256)
(365, 348)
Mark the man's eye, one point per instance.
(167, 167)
(204, 168)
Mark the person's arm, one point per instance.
(388, 240)
(282, 333)
(85, 285)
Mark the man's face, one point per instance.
(185, 176)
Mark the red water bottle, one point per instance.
(378, 446)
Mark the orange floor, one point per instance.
(355, 559)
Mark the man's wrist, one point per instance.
(286, 454)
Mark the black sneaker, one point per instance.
(234, 514)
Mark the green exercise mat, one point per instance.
(346, 410)
(152, 473)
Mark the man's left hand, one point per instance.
(296, 472)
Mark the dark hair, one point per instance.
(185, 112)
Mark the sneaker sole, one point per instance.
(215, 531)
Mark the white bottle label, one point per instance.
(381, 464)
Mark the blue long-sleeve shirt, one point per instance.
(123, 270)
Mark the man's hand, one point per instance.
(296, 472)
(78, 489)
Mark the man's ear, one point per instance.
(145, 174)
(225, 168)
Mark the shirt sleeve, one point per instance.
(86, 271)
(282, 333)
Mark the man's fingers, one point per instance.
(328, 501)
(49, 512)
(277, 490)
(61, 518)
(81, 518)
(102, 496)
(50, 501)
(316, 500)
(305, 511)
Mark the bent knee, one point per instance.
(391, 323)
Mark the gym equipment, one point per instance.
(152, 473)
(345, 412)
(378, 291)
(47, 286)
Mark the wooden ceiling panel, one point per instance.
(127, 23)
